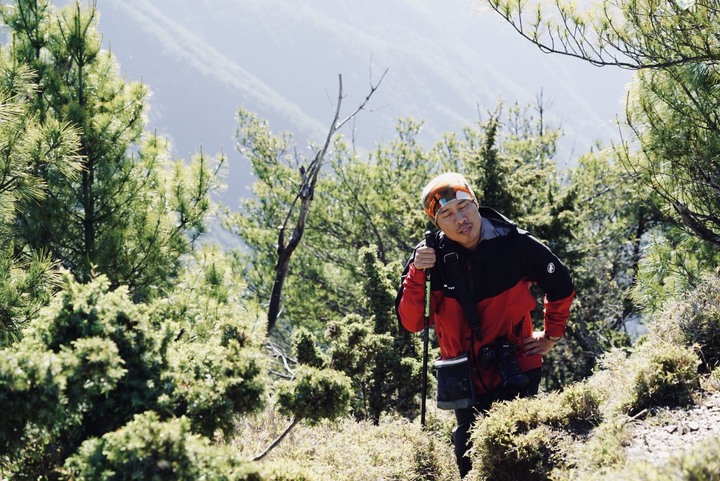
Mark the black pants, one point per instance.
(466, 416)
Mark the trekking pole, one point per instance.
(426, 334)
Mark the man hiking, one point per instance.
(482, 267)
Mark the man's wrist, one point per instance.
(553, 338)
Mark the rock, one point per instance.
(669, 433)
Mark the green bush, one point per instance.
(316, 394)
(694, 320)
(576, 408)
(656, 373)
(306, 347)
(530, 438)
(662, 375)
(150, 449)
(93, 359)
(513, 442)
(210, 383)
(83, 368)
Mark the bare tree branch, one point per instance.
(279, 439)
(305, 196)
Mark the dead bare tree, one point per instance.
(302, 202)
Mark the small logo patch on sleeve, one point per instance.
(551, 268)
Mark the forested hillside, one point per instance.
(134, 347)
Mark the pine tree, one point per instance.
(28, 146)
(133, 212)
(671, 139)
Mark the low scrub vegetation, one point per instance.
(579, 433)
(348, 450)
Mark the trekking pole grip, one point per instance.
(428, 243)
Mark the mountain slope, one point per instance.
(447, 63)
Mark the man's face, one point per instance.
(461, 222)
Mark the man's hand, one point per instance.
(538, 344)
(424, 258)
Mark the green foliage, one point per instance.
(130, 212)
(28, 147)
(529, 438)
(693, 320)
(211, 382)
(94, 359)
(384, 380)
(507, 445)
(308, 351)
(657, 373)
(613, 219)
(26, 284)
(674, 263)
(207, 302)
(671, 113)
(663, 376)
(53, 391)
(151, 449)
(315, 395)
(214, 367)
(577, 407)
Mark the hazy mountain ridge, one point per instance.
(281, 59)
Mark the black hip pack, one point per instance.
(455, 389)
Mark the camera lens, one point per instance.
(514, 380)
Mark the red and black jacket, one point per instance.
(500, 272)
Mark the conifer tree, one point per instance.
(673, 129)
(27, 147)
(132, 212)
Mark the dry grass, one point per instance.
(351, 451)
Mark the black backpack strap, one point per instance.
(455, 271)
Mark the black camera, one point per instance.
(501, 353)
